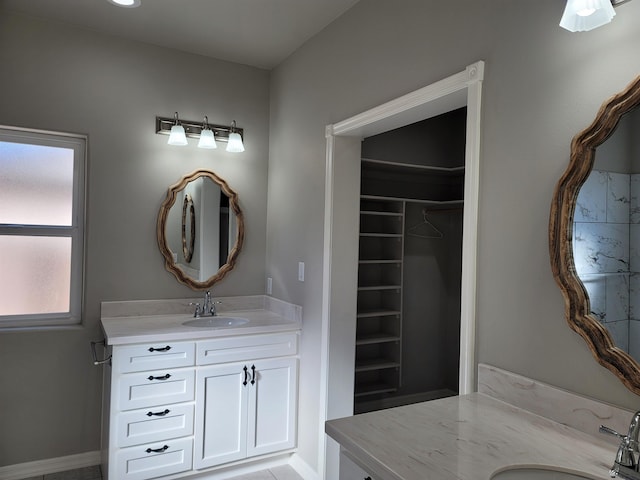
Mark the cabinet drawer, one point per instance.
(139, 358)
(155, 459)
(155, 388)
(154, 424)
(234, 349)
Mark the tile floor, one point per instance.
(88, 473)
(283, 472)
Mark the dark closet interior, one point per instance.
(410, 263)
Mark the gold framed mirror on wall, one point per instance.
(200, 229)
(594, 236)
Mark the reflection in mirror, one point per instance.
(188, 234)
(606, 233)
(594, 235)
(200, 229)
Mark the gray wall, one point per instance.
(542, 86)
(56, 77)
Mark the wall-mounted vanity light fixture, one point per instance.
(178, 131)
(585, 15)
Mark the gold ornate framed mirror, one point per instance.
(200, 229)
(588, 236)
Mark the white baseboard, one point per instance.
(49, 465)
(303, 468)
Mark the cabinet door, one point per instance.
(221, 420)
(272, 406)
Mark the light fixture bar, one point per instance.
(192, 129)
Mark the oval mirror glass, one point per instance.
(594, 236)
(200, 229)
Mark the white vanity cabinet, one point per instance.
(173, 408)
(247, 407)
(150, 391)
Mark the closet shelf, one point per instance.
(381, 214)
(411, 167)
(373, 262)
(433, 203)
(381, 235)
(376, 338)
(377, 313)
(375, 364)
(372, 288)
(373, 388)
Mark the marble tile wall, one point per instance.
(606, 228)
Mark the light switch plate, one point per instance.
(301, 271)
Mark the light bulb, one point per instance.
(235, 143)
(177, 136)
(207, 139)
(585, 15)
(126, 3)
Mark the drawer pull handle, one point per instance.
(164, 377)
(158, 414)
(246, 376)
(163, 349)
(157, 450)
(253, 374)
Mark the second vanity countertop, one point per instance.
(127, 323)
(469, 437)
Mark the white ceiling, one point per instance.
(260, 33)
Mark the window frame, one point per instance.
(76, 231)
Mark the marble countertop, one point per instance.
(125, 323)
(469, 437)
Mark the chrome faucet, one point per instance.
(208, 308)
(209, 305)
(625, 464)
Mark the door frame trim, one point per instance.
(463, 88)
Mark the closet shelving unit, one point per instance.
(386, 189)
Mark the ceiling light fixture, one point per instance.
(585, 15)
(125, 3)
(207, 134)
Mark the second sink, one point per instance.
(536, 474)
(215, 322)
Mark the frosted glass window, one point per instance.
(41, 274)
(36, 184)
(41, 228)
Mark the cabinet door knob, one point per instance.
(163, 349)
(253, 374)
(246, 376)
(164, 377)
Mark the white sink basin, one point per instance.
(538, 474)
(215, 322)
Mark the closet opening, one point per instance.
(407, 346)
(344, 153)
